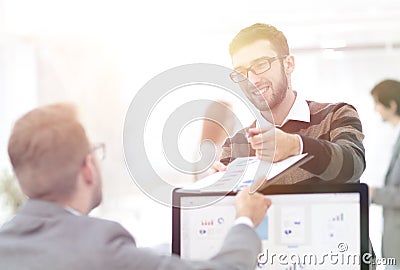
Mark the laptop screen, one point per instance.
(302, 229)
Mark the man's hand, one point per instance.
(253, 206)
(269, 140)
(218, 166)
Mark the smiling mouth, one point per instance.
(260, 92)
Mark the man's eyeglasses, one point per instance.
(100, 150)
(261, 66)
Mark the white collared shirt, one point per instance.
(299, 112)
(72, 211)
(244, 220)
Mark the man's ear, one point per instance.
(87, 170)
(393, 106)
(289, 64)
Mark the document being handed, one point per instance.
(248, 171)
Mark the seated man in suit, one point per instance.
(58, 170)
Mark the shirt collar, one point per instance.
(299, 111)
(72, 211)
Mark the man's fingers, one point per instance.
(256, 131)
(218, 166)
(244, 190)
(262, 138)
(268, 202)
(267, 145)
(265, 155)
(252, 205)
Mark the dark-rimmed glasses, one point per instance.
(261, 66)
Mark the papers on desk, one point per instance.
(247, 171)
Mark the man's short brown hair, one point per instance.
(260, 31)
(47, 148)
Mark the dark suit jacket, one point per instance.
(44, 235)
(389, 198)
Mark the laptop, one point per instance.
(307, 226)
